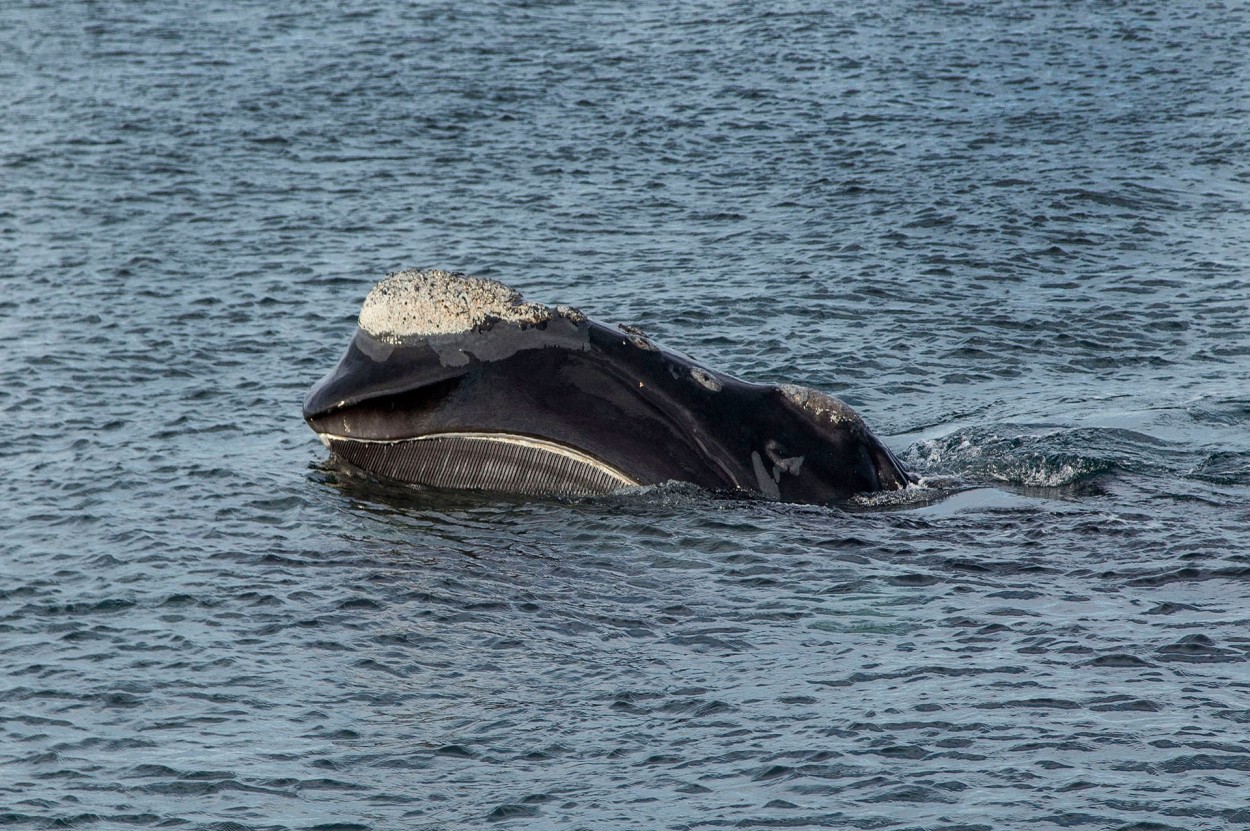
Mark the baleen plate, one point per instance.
(489, 462)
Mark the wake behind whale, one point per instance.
(453, 381)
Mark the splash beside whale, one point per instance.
(456, 382)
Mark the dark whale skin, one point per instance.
(648, 413)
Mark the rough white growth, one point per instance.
(421, 302)
(819, 405)
(637, 337)
(705, 379)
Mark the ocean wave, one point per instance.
(1029, 456)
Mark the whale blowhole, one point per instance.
(419, 302)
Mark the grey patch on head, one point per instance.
(705, 379)
(423, 302)
(377, 350)
(767, 485)
(819, 405)
(451, 356)
(496, 341)
(788, 464)
(630, 329)
(571, 314)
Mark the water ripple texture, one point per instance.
(1013, 235)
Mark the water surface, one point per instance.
(1012, 235)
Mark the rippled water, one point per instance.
(1013, 235)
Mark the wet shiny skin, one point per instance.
(648, 413)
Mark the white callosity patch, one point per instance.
(421, 302)
(819, 405)
(637, 337)
(705, 379)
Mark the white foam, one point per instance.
(421, 302)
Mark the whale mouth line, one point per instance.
(483, 461)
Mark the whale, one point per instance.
(457, 382)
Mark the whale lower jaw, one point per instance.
(482, 461)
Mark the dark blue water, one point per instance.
(1015, 236)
